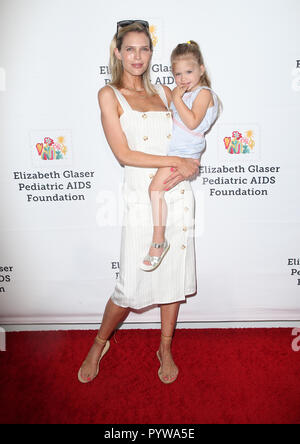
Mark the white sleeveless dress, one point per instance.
(150, 132)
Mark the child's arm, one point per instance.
(192, 117)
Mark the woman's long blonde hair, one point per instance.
(116, 66)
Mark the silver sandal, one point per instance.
(155, 260)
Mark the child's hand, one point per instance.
(178, 92)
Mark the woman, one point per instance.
(137, 123)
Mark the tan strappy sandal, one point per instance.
(99, 341)
(160, 369)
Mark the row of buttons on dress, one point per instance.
(146, 137)
(183, 247)
(145, 116)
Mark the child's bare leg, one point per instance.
(159, 210)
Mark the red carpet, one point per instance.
(240, 376)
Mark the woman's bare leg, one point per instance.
(112, 317)
(159, 210)
(169, 315)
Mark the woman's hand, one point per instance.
(186, 169)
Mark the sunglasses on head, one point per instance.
(124, 23)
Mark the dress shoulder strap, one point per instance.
(123, 102)
(162, 94)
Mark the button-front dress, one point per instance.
(150, 132)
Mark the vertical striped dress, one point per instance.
(150, 132)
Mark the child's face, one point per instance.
(187, 73)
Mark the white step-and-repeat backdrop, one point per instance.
(60, 185)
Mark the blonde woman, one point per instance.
(137, 123)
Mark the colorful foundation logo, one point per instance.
(153, 32)
(239, 143)
(50, 150)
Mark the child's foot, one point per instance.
(155, 251)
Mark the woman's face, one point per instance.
(135, 53)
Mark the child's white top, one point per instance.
(186, 142)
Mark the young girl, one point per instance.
(195, 108)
